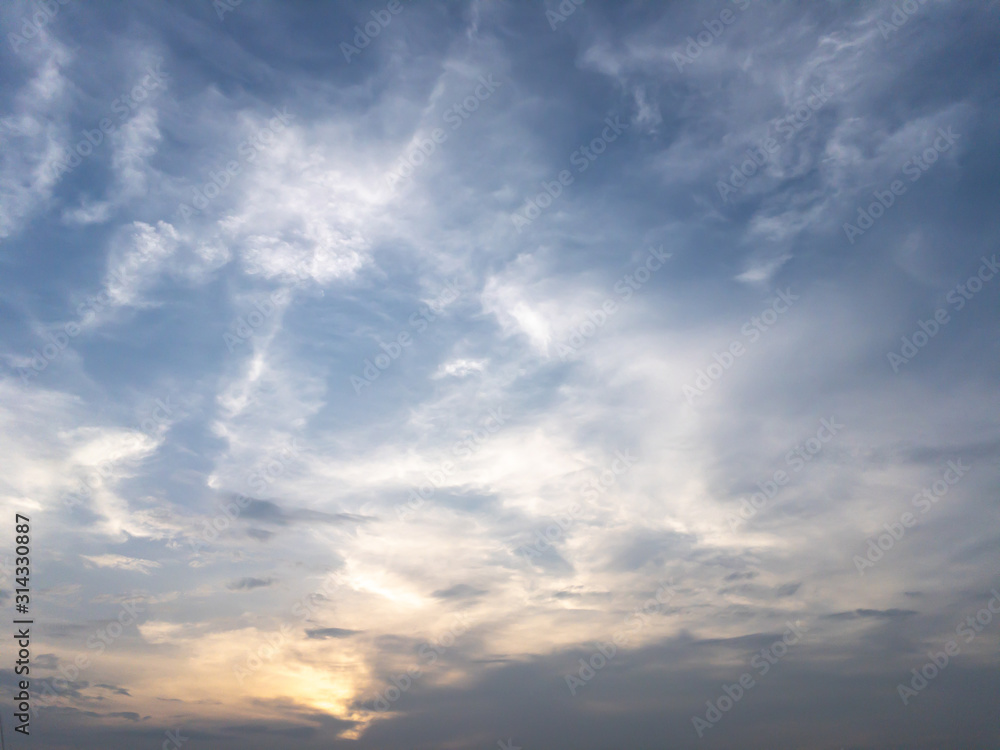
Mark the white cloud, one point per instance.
(459, 368)
(121, 562)
(27, 163)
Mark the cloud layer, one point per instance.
(460, 375)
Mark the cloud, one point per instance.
(121, 562)
(526, 477)
(788, 589)
(459, 368)
(267, 511)
(38, 130)
(246, 584)
(322, 633)
(872, 613)
(115, 689)
(459, 591)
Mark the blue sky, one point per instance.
(478, 374)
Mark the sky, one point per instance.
(396, 375)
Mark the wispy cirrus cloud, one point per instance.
(525, 460)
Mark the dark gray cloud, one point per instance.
(459, 591)
(246, 584)
(788, 589)
(114, 689)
